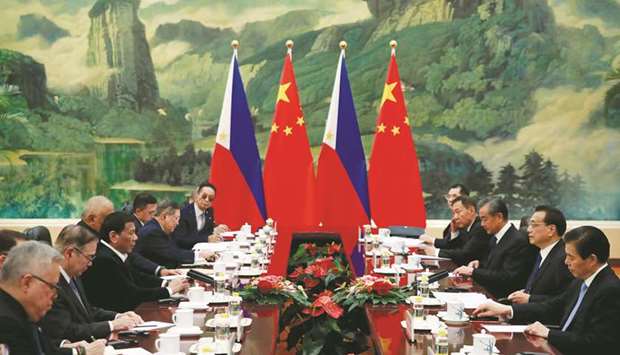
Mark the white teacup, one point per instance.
(196, 294)
(183, 317)
(456, 310)
(219, 266)
(483, 344)
(384, 232)
(246, 228)
(168, 343)
(413, 260)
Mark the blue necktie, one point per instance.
(582, 293)
(530, 280)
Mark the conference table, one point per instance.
(387, 335)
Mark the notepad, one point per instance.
(130, 351)
(504, 328)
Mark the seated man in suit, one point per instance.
(510, 257)
(197, 223)
(550, 276)
(587, 312)
(27, 290)
(471, 242)
(8, 239)
(144, 207)
(96, 210)
(72, 317)
(155, 239)
(451, 231)
(112, 282)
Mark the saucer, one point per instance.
(194, 305)
(449, 321)
(431, 323)
(194, 330)
(245, 322)
(250, 273)
(193, 349)
(427, 301)
(467, 349)
(217, 299)
(411, 267)
(158, 353)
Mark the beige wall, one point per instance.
(434, 227)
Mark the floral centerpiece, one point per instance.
(272, 289)
(370, 289)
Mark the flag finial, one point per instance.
(234, 44)
(343, 45)
(290, 44)
(393, 44)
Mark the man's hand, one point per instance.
(207, 255)
(123, 323)
(178, 285)
(97, 347)
(464, 271)
(169, 272)
(214, 238)
(492, 309)
(519, 297)
(131, 315)
(220, 228)
(73, 345)
(430, 251)
(427, 239)
(537, 329)
(474, 264)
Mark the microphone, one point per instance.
(433, 278)
(197, 275)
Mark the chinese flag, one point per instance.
(393, 175)
(289, 171)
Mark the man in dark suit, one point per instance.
(197, 222)
(155, 242)
(144, 207)
(96, 210)
(451, 231)
(111, 282)
(587, 312)
(8, 239)
(72, 317)
(549, 276)
(27, 290)
(471, 242)
(510, 257)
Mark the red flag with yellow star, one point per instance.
(393, 175)
(289, 170)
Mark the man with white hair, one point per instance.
(27, 290)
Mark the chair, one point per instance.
(39, 234)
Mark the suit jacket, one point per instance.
(138, 261)
(447, 242)
(594, 328)
(475, 246)
(137, 223)
(68, 319)
(507, 265)
(111, 283)
(17, 331)
(553, 276)
(156, 245)
(187, 234)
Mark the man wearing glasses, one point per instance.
(197, 222)
(550, 275)
(27, 291)
(72, 317)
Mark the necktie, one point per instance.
(37, 340)
(530, 280)
(582, 293)
(76, 292)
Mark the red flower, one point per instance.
(316, 271)
(310, 282)
(382, 287)
(324, 304)
(311, 248)
(333, 248)
(267, 284)
(295, 274)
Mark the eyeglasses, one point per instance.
(209, 198)
(90, 258)
(536, 224)
(55, 288)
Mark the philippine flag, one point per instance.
(236, 165)
(341, 176)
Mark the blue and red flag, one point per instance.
(236, 165)
(341, 177)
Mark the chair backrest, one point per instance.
(40, 234)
